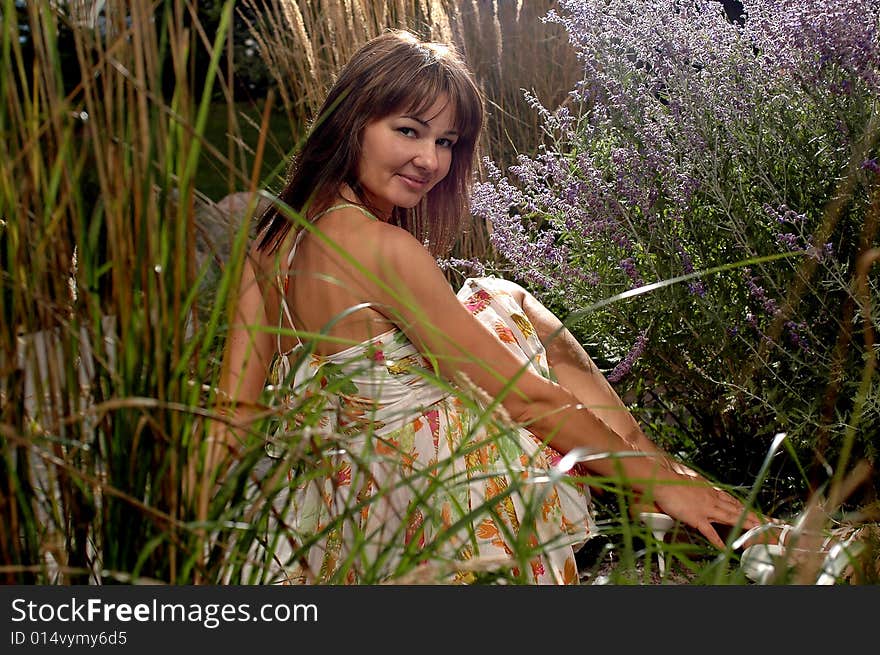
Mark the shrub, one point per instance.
(735, 162)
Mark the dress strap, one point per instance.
(342, 205)
(284, 284)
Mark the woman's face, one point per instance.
(403, 156)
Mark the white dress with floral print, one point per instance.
(422, 475)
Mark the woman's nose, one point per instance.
(426, 157)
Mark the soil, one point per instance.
(599, 563)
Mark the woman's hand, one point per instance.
(695, 501)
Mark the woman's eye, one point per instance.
(406, 131)
(445, 143)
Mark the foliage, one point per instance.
(738, 160)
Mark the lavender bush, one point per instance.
(742, 157)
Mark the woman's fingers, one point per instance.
(710, 510)
(714, 512)
(711, 534)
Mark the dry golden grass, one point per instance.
(508, 47)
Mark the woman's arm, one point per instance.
(419, 299)
(247, 355)
(576, 371)
(249, 347)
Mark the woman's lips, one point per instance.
(414, 182)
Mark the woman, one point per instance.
(382, 184)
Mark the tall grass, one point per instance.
(506, 45)
(99, 350)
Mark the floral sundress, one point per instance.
(420, 480)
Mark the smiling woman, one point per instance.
(440, 432)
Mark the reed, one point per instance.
(100, 342)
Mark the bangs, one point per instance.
(420, 94)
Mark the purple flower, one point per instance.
(758, 293)
(628, 266)
(871, 165)
(784, 214)
(624, 367)
(690, 142)
(478, 268)
(789, 241)
(794, 331)
(697, 288)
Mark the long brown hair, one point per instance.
(394, 72)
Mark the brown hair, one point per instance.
(390, 73)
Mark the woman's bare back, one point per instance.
(325, 285)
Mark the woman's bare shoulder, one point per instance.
(350, 242)
(355, 226)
